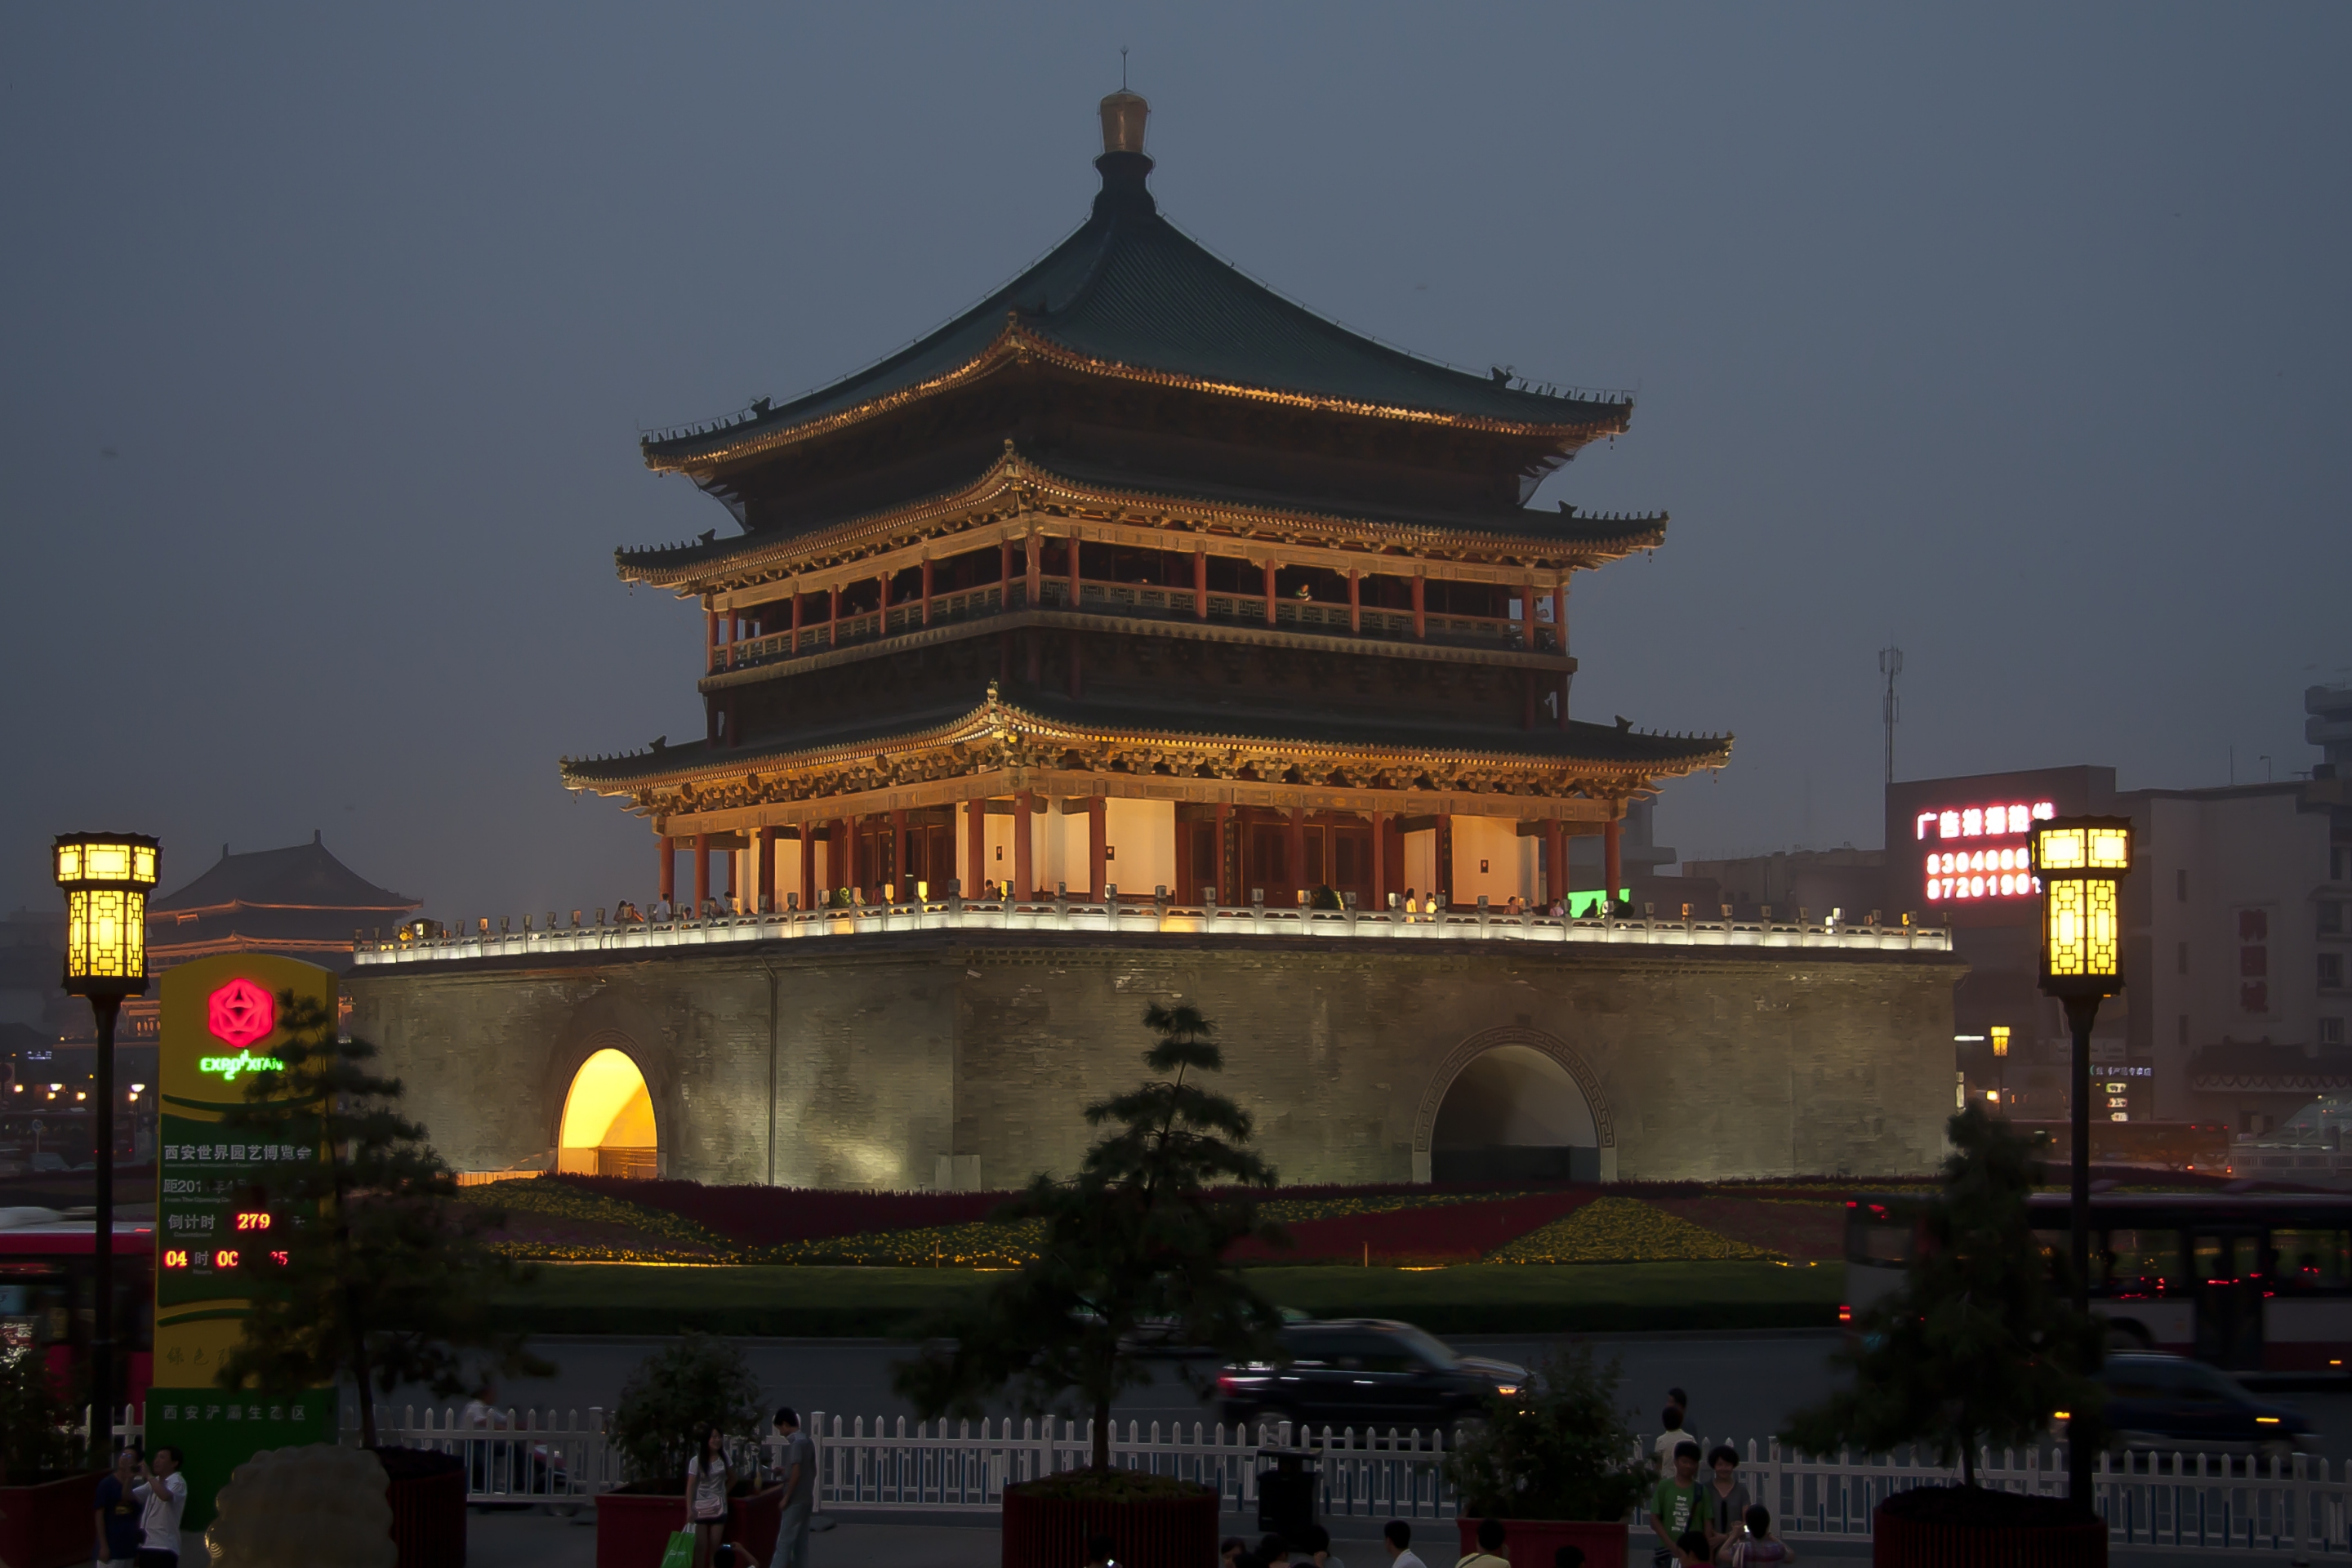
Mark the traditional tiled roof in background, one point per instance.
(2266, 1068)
(301, 875)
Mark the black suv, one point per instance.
(1363, 1373)
(2169, 1402)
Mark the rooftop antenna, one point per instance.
(1890, 664)
(1122, 68)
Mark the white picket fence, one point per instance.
(2162, 1503)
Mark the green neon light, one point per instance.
(244, 1061)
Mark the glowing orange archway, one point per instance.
(608, 1121)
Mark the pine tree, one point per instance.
(1134, 1244)
(373, 1269)
(1981, 1344)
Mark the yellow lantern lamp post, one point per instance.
(2081, 861)
(1999, 1033)
(106, 877)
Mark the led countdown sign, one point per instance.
(1982, 870)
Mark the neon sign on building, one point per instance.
(1982, 869)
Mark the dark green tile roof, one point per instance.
(1130, 288)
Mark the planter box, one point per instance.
(428, 1494)
(633, 1528)
(1531, 1542)
(49, 1525)
(1925, 1534)
(1052, 1533)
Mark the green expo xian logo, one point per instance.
(244, 1061)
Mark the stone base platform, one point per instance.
(964, 1058)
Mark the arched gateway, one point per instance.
(1513, 1103)
(608, 1119)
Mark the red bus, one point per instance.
(47, 1296)
(2249, 1282)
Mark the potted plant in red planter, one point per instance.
(1555, 1462)
(46, 1497)
(1131, 1251)
(1979, 1346)
(667, 1402)
(376, 1272)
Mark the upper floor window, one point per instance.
(2331, 971)
(2331, 916)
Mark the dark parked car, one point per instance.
(2168, 1402)
(1364, 1372)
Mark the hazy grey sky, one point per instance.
(2016, 334)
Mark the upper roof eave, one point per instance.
(704, 568)
(1638, 752)
(701, 455)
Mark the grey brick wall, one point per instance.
(888, 1054)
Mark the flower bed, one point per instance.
(1458, 1231)
(1625, 1231)
(556, 1220)
(1793, 1227)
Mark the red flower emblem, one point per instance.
(243, 1013)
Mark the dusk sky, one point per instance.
(2013, 335)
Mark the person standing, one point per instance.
(1490, 1547)
(1727, 1499)
(1397, 1536)
(707, 1477)
(163, 1494)
(1672, 1438)
(118, 1511)
(796, 1472)
(1678, 1510)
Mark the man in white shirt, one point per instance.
(1397, 1536)
(163, 1492)
(1672, 1437)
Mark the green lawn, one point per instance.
(636, 1299)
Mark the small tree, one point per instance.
(1558, 1449)
(374, 1270)
(1981, 1344)
(673, 1392)
(1135, 1241)
(36, 1433)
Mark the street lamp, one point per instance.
(2080, 860)
(1999, 1033)
(106, 877)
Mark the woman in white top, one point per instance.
(706, 1477)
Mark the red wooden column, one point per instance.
(764, 888)
(1527, 616)
(1005, 572)
(1380, 858)
(1355, 601)
(832, 617)
(882, 616)
(701, 871)
(1555, 862)
(730, 889)
(1611, 870)
(1420, 607)
(1297, 856)
(1200, 581)
(926, 590)
(727, 640)
(1560, 615)
(808, 865)
(1270, 570)
(1035, 543)
(1442, 872)
(1225, 894)
(1024, 885)
(1097, 841)
(796, 615)
(667, 882)
(844, 842)
(710, 637)
(1077, 595)
(898, 855)
(975, 848)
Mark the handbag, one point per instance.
(679, 1553)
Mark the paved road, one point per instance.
(1741, 1386)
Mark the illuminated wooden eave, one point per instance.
(1016, 484)
(997, 719)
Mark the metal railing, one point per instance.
(1153, 916)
